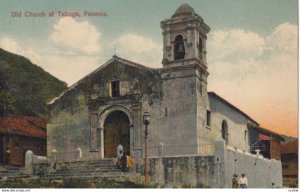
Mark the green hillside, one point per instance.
(24, 87)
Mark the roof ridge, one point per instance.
(114, 58)
(132, 62)
(232, 106)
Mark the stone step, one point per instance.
(88, 165)
(11, 171)
(91, 166)
(100, 165)
(89, 169)
(93, 162)
(105, 168)
(86, 171)
(10, 168)
(97, 168)
(112, 175)
(10, 174)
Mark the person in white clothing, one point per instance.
(119, 154)
(243, 181)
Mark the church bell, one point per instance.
(180, 48)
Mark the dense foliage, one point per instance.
(24, 87)
(66, 183)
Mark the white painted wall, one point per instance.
(260, 172)
(236, 122)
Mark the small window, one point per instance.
(246, 134)
(208, 118)
(115, 88)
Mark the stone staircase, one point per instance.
(10, 171)
(104, 168)
(100, 169)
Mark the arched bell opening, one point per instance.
(179, 49)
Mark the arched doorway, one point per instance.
(116, 131)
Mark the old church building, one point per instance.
(195, 137)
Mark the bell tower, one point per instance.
(184, 38)
(184, 80)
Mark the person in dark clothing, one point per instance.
(124, 162)
(235, 182)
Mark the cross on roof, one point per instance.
(115, 46)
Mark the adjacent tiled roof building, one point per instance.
(290, 147)
(289, 159)
(19, 134)
(23, 125)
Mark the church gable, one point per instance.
(119, 79)
(116, 78)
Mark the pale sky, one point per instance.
(252, 46)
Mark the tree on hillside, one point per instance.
(6, 103)
(25, 87)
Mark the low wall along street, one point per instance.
(216, 171)
(192, 171)
(261, 172)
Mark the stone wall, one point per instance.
(204, 135)
(68, 127)
(191, 171)
(178, 125)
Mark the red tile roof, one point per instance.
(24, 125)
(290, 147)
(267, 133)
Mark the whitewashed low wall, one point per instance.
(39, 159)
(261, 172)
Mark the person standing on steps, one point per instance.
(123, 162)
(119, 154)
(129, 162)
(7, 151)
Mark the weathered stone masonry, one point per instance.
(191, 130)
